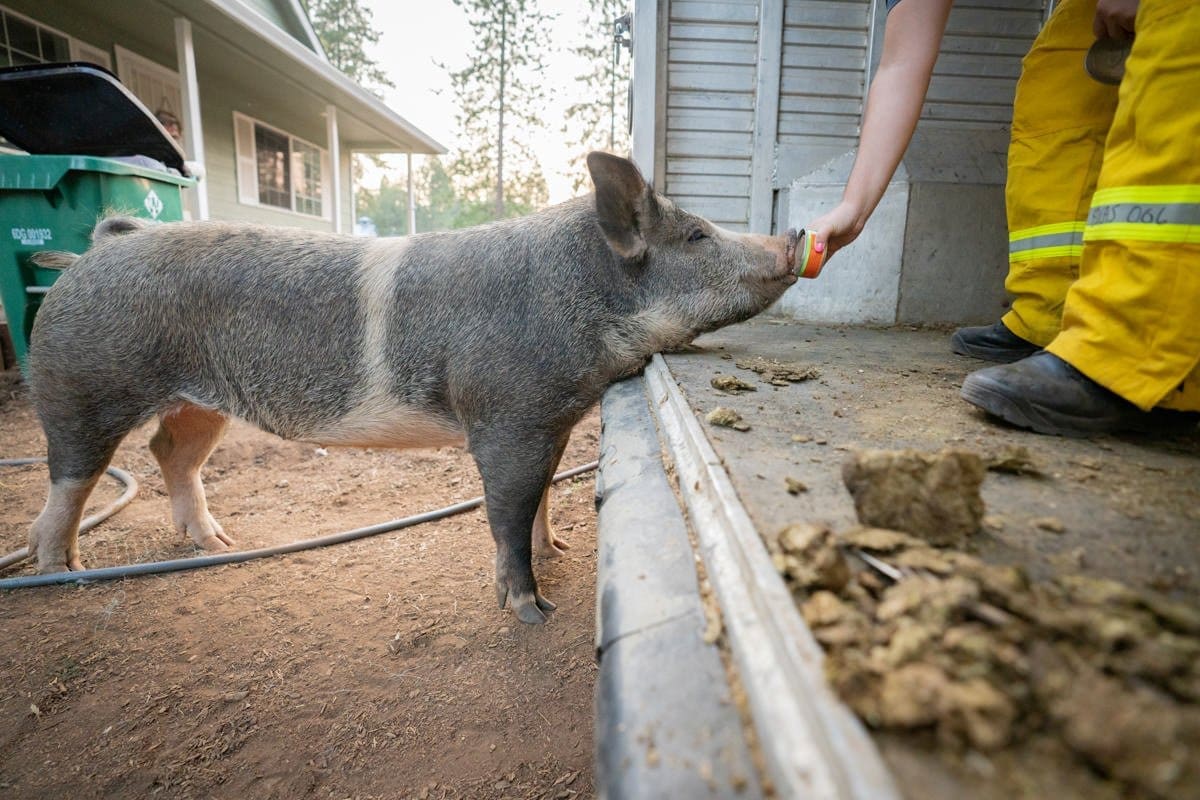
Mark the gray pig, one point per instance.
(498, 338)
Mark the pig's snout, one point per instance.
(783, 248)
(793, 239)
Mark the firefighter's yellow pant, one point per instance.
(1104, 205)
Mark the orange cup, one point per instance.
(808, 260)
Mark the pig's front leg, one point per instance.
(515, 465)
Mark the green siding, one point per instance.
(282, 16)
(146, 29)
(218, 102)
(269, 10)
(229, 80)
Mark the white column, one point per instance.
(193, 132)
(350, 183)
(412, 201)
(335, 162)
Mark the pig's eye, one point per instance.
(697, 235)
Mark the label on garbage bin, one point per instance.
(153, 204)
(32, 236)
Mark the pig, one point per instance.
(497, 338)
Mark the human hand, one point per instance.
(836, 229)
(1114, 19)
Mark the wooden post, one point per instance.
(766, 114)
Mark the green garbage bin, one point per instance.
(52, 203)
(92, 148)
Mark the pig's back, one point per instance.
(262, 323)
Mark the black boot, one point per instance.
(991, 343)
(1047, 394)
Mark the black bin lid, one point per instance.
(79, 109)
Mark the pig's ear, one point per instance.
(623, 201)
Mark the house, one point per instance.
(247, 87)
(748, 112)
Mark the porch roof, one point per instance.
(366, 122)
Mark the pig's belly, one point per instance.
(386, 423)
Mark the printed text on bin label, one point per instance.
(32, 236)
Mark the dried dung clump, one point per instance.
(1014, 459)
(794, 485)
(778, 373)
(732, 384)
(987, 661)
(933, 496)
(727, 418)
(809, 556)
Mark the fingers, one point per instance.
(1115, 19)
(1116, 29)
(828, 240)
(835, 229)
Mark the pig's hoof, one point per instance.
(554, 547)
(530, 607)
(69, 562)
(216, 543)
(209, 535)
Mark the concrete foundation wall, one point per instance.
(934, 251)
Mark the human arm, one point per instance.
(911, 39)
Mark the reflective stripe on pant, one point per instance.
(1060, 120)
(1129, 322)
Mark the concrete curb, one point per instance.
(813, 745)
(666, 725)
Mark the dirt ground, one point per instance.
(376, 669)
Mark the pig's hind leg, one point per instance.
(79, 445)
(516, 466)
(186, 436)
(546, 543)
(54, 536)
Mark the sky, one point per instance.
(416, 35)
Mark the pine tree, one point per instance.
(345, 29)
(500, 97)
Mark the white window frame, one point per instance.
(80, 50)
(247, 168)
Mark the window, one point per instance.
(277, 169)
(306, 167)
(26, 42)
(23, 41)
(274, 176)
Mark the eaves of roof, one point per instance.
(381, 128)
